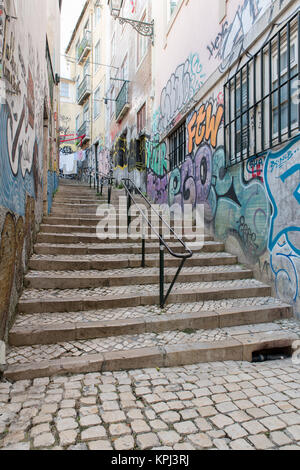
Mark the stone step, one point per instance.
(99, 248)
(73, 221)
(79, 280)
(102, 262)
(91, 238)
(42, 301)
(167, 349)
(92, 229)
(57, 332)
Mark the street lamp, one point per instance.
(145, 29)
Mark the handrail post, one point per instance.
(101, 192)
(94, 181)
(143, 243)
(109, 190)
(91, 180)
(161, 273)
(97, 183)
(128, 211)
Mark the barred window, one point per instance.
(177, 141)
(261, 101)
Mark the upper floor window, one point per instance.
(262, 108)
(64, 90)
(177, 144)
(97, 56)
(97, 15)
(97, 102)
(142, 42)
(173, 5)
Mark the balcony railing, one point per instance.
(122, 102)
(84, 89)
(84, 130)
(84, 47)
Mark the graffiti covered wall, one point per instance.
(25, 103)
(252, 206)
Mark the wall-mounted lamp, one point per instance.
(145, 29)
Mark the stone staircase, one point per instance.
(88, 305)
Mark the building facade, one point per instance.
(130, 94)
(226, 127)
(87, 57)
(29, 135)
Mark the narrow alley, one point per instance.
(149, 225)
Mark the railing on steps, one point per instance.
(129, 187)
(99, 180)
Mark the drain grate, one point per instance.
(274, 354)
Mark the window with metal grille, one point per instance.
(261, 102)
(177, 142)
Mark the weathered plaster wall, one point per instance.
(25, 100)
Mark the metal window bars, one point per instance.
(259, 111)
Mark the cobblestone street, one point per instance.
(229, 405)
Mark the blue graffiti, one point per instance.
(282, 176)
(13, 188)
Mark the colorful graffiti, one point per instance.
(179, 90)
(282, 177)
(222, 47)
(203, 125)
(239, 208)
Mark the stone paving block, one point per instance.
(169, 438)
(147, 441)
(200, 441)
(93, 433)
(124, 443)
(261, 442)
(44, 440)
(68, 438)
(185, 427)
(140, 426)
(90, 420)
(100, 445)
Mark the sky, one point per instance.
(71, 10)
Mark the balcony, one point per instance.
(84, 47)
(122, 102)
(84, 130)
(84, 89)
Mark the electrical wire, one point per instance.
(74, 60)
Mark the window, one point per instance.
(86, 111)
(111, 102)
(77, 122)
(282, 65)
(97, 15)
(142, 42)
(113, 45)
(177, 142)
(260, 110)
(97, 103)
(86, 68)
(64, 90)
(173, 6)
(97, 56)
(141, 119)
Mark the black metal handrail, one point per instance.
(162, 242)
(97, 175)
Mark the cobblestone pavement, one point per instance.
(120, 257)
(205, 406)
(135, 289)
(36, 353)
(28, 320)
(140, 271)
